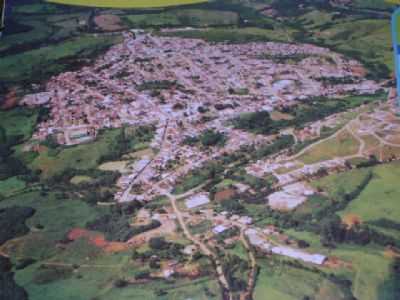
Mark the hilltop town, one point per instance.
(185, 87)
(225, 150)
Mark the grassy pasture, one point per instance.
(275, 277)
(80, 179)
(380, 199)
(83, 157)
(183, 17)
(236, 35)
(368, 267)
(342, 145)
(95, 280)
(371, 269)
(11, 186)
(25, 65)
(373, 4)
(377, 205)
(19, 121)
(39, 31)
(55, 215)
(337, 184)
(365, 38)
(127, 3)
(120, 166)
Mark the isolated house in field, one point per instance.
(79, 135)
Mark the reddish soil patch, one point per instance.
(336, 263)
(97, 239)
(10, 100)
(225, 195)
(77, 233)
(108, 22)
(391, 252)
(390, 153)
(359, 70)
(191, 271)
(351, 220)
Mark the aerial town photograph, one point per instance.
(199, 150)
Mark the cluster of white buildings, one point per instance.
(258, 239)
(291, 196)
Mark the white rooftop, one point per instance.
(297, 254)
(219, 229)
(197, 200)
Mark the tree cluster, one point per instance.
(12, 222)
(9, 290)
(116, 225)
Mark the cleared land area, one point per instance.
(120, 166)
(80, 179)
(127, 3)
(344, 144)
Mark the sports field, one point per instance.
(127, 3)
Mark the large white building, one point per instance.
(197, 200)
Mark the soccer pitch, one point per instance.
(127, 3)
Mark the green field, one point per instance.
(370, 43)
(371, 269)
(127, 3)
(380, 199)
(368, 267)
(86, 272)
(80, 179)
(18, 122)
(236, 35)
(27, 65)
(338, 184)
(10, 186)
(56, 217)
(374, 4)
(283, 282)
(82, 157)
(183, 17)
(342, 145)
